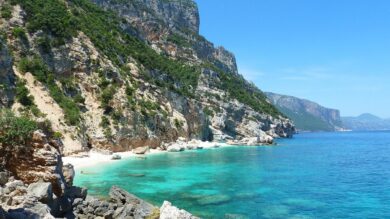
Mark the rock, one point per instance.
(76, 192)
(43, 191)
(39, 137)
(35, 211)
(141, 150)
(69, 173)
(61, 205)
(167, 211)
(175, 148)
(194, 145)
(13, 185)
(129, 202)
(116, 157)
(3, 178)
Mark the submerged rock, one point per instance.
(214, 200)
(235, 216)
(168, 211)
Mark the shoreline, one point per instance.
(95, 157)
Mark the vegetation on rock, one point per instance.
(15, 130)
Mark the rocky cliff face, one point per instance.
(7, 77)
(307, 115)
(118, 75)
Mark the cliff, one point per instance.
(117, 75)
(307, 115)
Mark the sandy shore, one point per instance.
(93, 158)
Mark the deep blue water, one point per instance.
(313, 175)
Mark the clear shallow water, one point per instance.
(314, 175)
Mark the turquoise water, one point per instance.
(314, 175)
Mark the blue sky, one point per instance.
(334, 52)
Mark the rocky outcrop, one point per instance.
(307, 115)
(25, 193)
(7, 78)
(180, 14)
(40, 159)
(167, 211)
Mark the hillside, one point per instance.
(366, 122)
(307, 115)
(116, 75)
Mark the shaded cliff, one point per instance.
(118, 75)
(307, 115)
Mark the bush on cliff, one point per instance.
(15, 130)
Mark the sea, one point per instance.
(312, 175)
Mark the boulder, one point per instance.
(13, 185)
(42, 190)
(116, 157)
(194, 145)
(175, 148)
(69, 173)
(76, 192)
(3, 178)
(33, 210)
(129, 203)
(141, 150)
(167, 211)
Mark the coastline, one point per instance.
(94, 157)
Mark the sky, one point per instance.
(334, 52)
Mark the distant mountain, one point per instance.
(307, 115)
(366, 122)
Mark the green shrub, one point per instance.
(15, 130)
(50, 16)
(19, 33)
(178, 123)
(6, 11)
(23, 95)
(107, 95)
(105, 123)
(44, 43)
(57, 135)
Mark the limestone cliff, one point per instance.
(7, 78)
(117, 75)
(307, 115)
